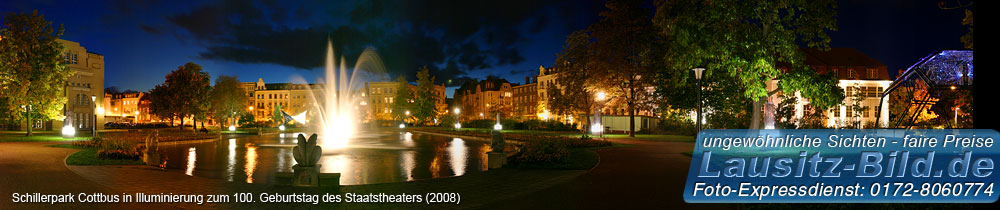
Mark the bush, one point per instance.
(113, 148)
(126, 125)
(677, 124)
(118, 154)
(93, 143)
(547, 150)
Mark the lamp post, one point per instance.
(93, 127)
(697, 75)
(956, 117)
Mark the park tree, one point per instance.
(32, 75)
(752, 43)
(624, 56)
(184, 93)
(967, 20)
(228, 99)
(575, 93)
(402, 102)
(423, 108)
(277, 117)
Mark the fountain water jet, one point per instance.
(335, 114)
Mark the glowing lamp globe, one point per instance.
(498, 127)
(232, 128)
(68, 131)
(401, 125)
(458, 125)
(281, 127)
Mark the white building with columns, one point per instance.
(857, 73)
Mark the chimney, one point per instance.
(527, 80)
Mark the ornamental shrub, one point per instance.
(545, 150)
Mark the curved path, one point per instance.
(647, 175)
(34, 167)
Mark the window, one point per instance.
(872, 74)
(865, 113)
(836, 111)
(850, 73)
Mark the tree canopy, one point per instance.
(32, 74)
(426, 97)
(184, 93)
(752, 42)
(228, 100)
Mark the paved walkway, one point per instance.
(648, 175)
(33, 167)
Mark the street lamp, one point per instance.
(956, 117)
(697, 75)
(93, 127)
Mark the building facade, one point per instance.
(84, 90)
(546, 83)
(293, 99)
(123, 107)
(526, 99)
(484, 99)
(858, 75)
(379, 99)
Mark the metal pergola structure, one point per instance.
(944, 70)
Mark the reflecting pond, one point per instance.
(380, 157)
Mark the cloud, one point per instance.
(449, 37)
(150, 29)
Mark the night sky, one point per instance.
(144, 40)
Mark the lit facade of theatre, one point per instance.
(84, 92)
(857, 73)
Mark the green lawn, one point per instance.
(14, 137)
(88, 156)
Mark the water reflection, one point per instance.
(408, 164)
(191, 158)
(457, 153)
(251, 163)
(231, 164)
(388, 156)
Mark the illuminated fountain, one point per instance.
(335, 111)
